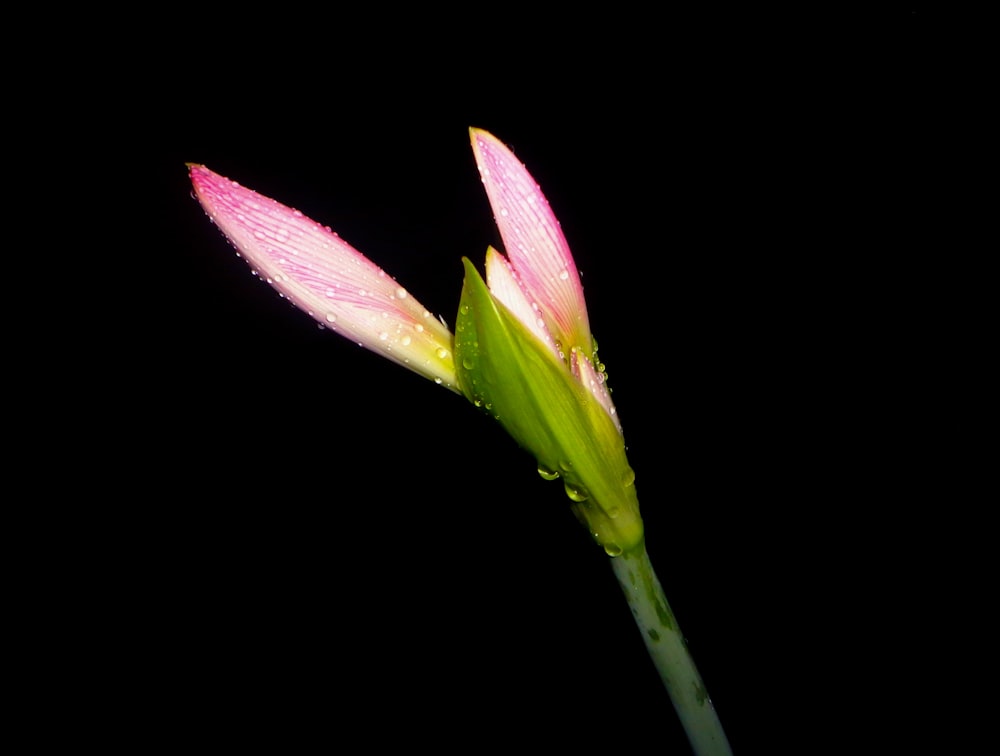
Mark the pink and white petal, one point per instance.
(533, 241)
(594, 380)
(326, 277)
(503, 284)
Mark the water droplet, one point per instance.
(331, 317)
(383, 336)
(564, 275)
(546, 473)
(612, 549)
(468, 363)
(628, 477)
(464, 309)
(442, 353)
(405, 341)
(418, 328)
(400, 293)
(503, 212)
(576, 493)
(438, 381)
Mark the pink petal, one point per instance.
(594, 380)
(503, 284)
(534, 242)
(327, 278)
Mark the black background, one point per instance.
(307, 543)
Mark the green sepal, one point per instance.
(503, 368)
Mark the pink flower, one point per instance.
(327, 278)
(538, 280)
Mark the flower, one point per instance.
(326, 277)
(539, 283)
(522, 350)
(524, 353)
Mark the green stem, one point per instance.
(669, 653)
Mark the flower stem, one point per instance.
(666, 646)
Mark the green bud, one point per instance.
(505, 369)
